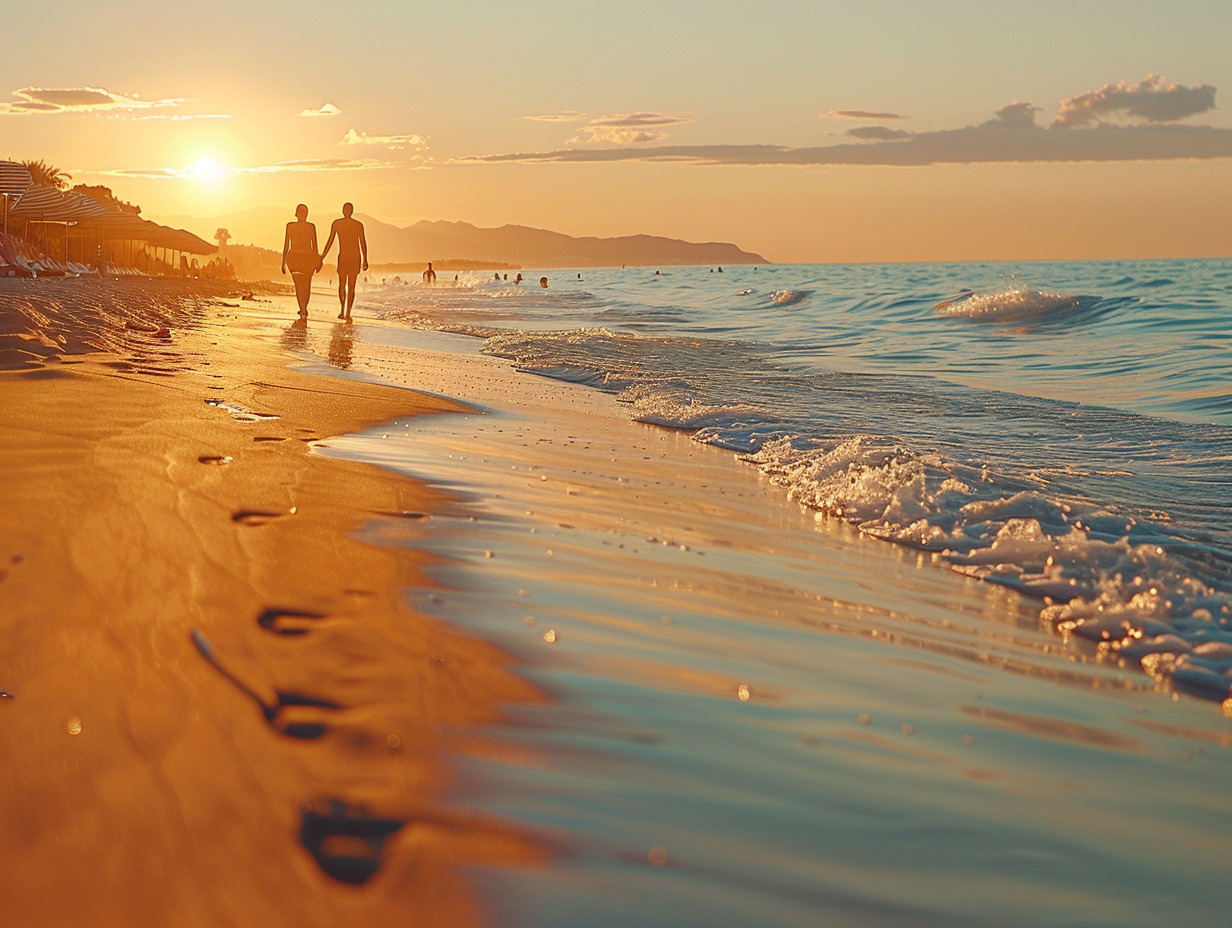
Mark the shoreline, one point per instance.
(734, 678)
(148, 493)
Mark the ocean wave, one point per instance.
(1008, 304)
(1133, 579)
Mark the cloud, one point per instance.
(995, 141)
(31, 100)
(393, 142)
(180, 117)
(1078, 134)
(1016, 115)
(861, 114)
(627, 128)
(879, 133)
(325, 109)
(1152, 100)
(279, 167)
(566, 116)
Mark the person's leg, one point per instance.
(303, 290)
(342, 277)
(351, 281)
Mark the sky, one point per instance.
(805, 130)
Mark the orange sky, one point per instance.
(813, 132)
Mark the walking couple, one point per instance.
(299, 255)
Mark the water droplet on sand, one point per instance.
(74, 726)
(743, 692)
(550, 636)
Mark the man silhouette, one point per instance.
(352, 251)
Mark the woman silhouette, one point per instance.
(299, 253)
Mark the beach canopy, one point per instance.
(46, 204)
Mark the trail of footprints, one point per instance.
(345, 839)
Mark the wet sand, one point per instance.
(760, 717)
(217, 706)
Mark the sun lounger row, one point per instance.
(18, 258)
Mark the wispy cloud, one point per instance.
(1078, 133)
(566, 116)
(279, 167)
(879, 133)
(325, 109)
(180, 117)
(392, 142)
(1152, 100)
(627, 128)
(992, 142)
(44, 100)
(861, 114)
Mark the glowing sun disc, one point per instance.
(207, 170)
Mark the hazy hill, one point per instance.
(520, 246)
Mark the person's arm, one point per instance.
(286, 248)
(312, 240)
(329, 243)
(363, 245)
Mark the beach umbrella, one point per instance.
(43, 204)
(14, 178)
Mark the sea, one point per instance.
(876, 594)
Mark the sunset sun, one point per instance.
(207, 170)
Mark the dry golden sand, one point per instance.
(141, 785)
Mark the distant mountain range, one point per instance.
(509, 245)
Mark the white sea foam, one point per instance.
(1007, 304)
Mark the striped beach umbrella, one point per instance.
(14, 178)
(44, 204)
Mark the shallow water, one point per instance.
(1062, 429)
(766, 718)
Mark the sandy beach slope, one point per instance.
(155, 480)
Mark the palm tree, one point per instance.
(222, 236)
(46, 174)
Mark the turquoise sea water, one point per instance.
(676, 508)
(1065, 429)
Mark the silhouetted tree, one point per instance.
(222, 236)
(46, 174)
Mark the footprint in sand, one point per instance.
(293, 714)
(298, 715)
(268, 438)
(288, 621)
(346, 841)
(216, 459)
(256, 516)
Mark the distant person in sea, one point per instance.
(299, 253)
(517, 280)
(496, 276)
(352, 252)
(543, 282)
(429, 275)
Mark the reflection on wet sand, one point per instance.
(341, 345)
